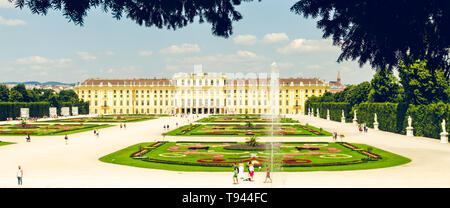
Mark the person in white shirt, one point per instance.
(19, 176)
(241, 171)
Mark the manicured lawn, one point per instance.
(245, 130)
(108, 119)
(47, 129)
(243, 118)
(192, 156)
(5, 143)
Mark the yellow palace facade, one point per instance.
(196, 93)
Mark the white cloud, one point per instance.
(183, 48)
(246, 54)
(245, 39)
(37, 62)
(121, 72)
(6, 4)
(145, 53)
(86, 56)
(303, 45)
(109, 53)
(275, 37)
(11, 22)
(241, 61)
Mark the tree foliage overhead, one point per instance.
(172, 14)
(384, 32)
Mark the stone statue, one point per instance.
(443, 126)
(409, 121)
(343, 113)
(375, 119)
(355, 114)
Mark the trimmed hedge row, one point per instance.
(390, 116)
(12, 109)
(37, 109)
(334, 107)
(427, 119)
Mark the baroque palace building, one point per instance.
(196, 93)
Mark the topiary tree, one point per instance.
(252, 141)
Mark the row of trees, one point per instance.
(416, 85)
(20, 94)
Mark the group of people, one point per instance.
(363, 127)
(334, 136)
(66, 138)
(124, 125)
(166, 127)
(96, 132)
(238, 173)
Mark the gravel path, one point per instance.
(48, 162)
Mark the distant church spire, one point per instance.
(339, 77)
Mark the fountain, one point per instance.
(274, 113)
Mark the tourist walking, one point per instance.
(251, 169)
(235, 174)
(124, 125)
(268, 175)
(95, 131)
(334, 136)
(66, 138)
(98, 133)
(121, 126)
(19, 176)
(28, 138)
(241, 170)
(164, 127)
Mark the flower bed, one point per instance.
(252, 148)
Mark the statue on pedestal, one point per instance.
(409, 129)
(375, 123)
(443, 126)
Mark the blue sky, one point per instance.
(49, 48)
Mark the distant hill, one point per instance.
(38, 83)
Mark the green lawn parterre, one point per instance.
(47, 129)
(243, 118)
(244, 130)
(108, 119)
(191, 156)
(5, 143)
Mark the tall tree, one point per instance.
(384, 32)
(385, 87)
(171, 14)
(4, 93)
(359, 93)
(23, 92)
(15, 96)
(422, 87)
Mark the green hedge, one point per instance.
(334, 107)
(390, 116)
(12, 109)
(427, 119)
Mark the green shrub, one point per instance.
(334, 107)
(386, 115)
(12, 109)
(427, 119)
